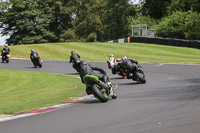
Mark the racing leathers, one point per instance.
(75, 58)
(127, 66)
(33, 55)
(6, 49)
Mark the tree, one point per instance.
(34, 21)
(155, 8)
(183, 5)
(87, 19)
(181, 25)
(115, 19)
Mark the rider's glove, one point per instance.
(104, 72)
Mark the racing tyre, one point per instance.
(140, 76)
(102, 96)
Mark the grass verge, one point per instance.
(21, 91)
(100, 51)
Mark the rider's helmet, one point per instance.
(72, 52)
(32, 50)
(124, 58)
(6, 45)
(111, 55)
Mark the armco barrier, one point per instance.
(168, 41)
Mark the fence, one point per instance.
(161, 41)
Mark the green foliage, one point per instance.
(183, 5)
(115, 19)
(182, 25)
(68, 36)
(92, 37)
(155, 8)
(88, 16)
(34, 21)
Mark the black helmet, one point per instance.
(32, 50)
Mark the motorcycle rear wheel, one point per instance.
(103, 97)
(140, 76)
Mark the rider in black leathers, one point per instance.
(87, 69)
(75, 58)
(127, 65)
(6, 49)
(33, 54)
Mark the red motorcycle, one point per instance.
(115, 65)
(111, 61)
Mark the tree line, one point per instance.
(41, 21)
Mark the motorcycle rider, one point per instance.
(33, 54)
(75, 58)
(87, 69)
(6, 49)
(127, 65)
(111, 61)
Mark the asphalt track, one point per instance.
(168, 103)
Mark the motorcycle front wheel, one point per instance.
(101, 95)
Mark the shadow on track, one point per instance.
(117, 78)
(92, 101)
(72, 73)
(131, 83)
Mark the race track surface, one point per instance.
(168, 103)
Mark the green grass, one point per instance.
(100, 51)
(21, 91)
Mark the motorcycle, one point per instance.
(137, 73)
(5, 57)
(111, 61)
(99, 89)
(115, 65)
(37, 61)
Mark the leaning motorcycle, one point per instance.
(37, 61)
(117, 68)
(5, 57)
(99, 89)
(115, 65)
(137, 73)
(110, 62)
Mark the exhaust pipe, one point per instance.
(103, 84)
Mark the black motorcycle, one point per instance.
(5, 57)
(37, 61)
(117, 68)
(137, 73)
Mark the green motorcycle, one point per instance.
(100, 89)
